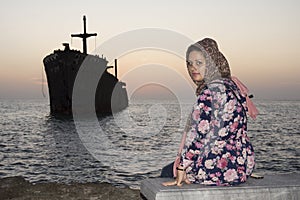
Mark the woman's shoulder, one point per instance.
(218, 85)
(213, 90)
(223, 84)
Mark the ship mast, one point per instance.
(84, 35)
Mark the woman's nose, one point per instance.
(193, 66)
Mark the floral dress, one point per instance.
(217, 149)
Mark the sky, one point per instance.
(260, 39)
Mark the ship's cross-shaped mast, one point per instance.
(84, 35)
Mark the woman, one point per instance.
(215, 148)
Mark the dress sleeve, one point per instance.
(202, 111)
(209, 108)
(203, 117)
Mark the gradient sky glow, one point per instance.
(261, 39)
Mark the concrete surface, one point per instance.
(271, 187)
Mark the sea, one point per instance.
(127, 147)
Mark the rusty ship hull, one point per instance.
(61, 68)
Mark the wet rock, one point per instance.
(17, 188)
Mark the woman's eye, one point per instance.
(198, 63)
(189, 63)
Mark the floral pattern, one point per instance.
(217, 149)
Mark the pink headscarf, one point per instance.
(252, 110)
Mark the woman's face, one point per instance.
(196, 65)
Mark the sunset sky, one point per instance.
(260, 39)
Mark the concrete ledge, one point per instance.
(271, 187)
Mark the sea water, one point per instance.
(129, 146)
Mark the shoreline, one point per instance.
(18, 188)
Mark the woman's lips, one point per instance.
(195, 74)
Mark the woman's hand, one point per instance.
(181, 177)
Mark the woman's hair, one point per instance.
(216, 64)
